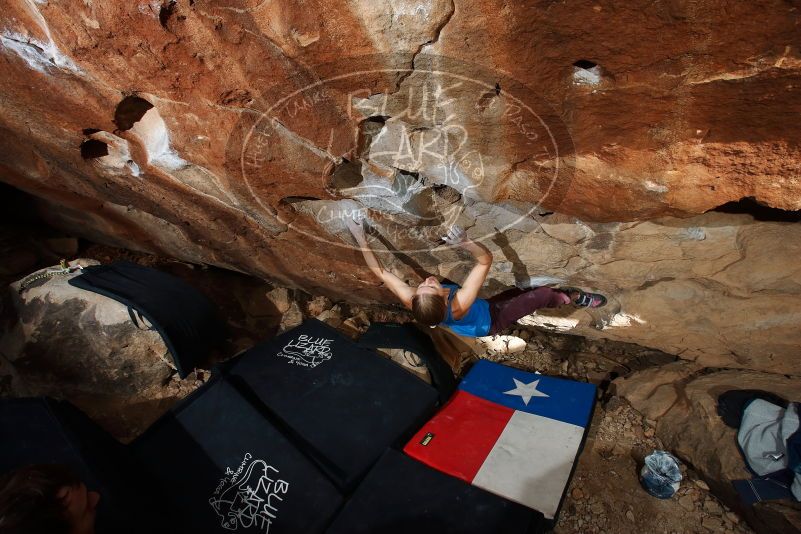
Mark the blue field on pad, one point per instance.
(556, 398)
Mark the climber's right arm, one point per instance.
(395, 284)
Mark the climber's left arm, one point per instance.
(468, 293)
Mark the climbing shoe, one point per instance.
(584, 299)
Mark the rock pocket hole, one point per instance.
(346, 175)
(446, 193)
(585, 64)
(130, 111)
(760, 212)
(586, 72)
(417, 198)
(369, 129)
(166, 12)
(378, 119)
(92, 148)
(144, 121)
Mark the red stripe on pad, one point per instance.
(462, 435)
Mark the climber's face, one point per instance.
(429, 286)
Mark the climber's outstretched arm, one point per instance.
(395, 284)
(468, 293)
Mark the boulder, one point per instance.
(82, 346)
(587, 152)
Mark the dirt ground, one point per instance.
(605, 495)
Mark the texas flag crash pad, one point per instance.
(510, 432)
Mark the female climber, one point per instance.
(459, 308)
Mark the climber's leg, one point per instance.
(507, 310)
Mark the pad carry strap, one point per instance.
(140, 322)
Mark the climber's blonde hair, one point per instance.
(429, 309)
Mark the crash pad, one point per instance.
(342, 404)
(408, 337)
(400, 495)
(227, 468)
(186, 320)
(513, 433)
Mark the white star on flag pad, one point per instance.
(526, 391)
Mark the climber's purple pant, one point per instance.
(509, 306)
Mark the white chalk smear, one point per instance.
(623, 320)
(655, 187)
(556, 324)
(39, 56)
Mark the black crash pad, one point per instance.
(344, 404)
(227, 469)
(44, 431)
(186, 320)
(400, 496)
(408, 337)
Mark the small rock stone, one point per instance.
(687, 503)
(577, 494)
(292, 318)
(319, 304)
(502, 344)
(332, 317)
(731, 516)
(711, 523)
(630, 515)
(701, 484)
(350, 328)
(597, 508)
(361, 319)
(281, 298)
(712, 507)
(649, 432)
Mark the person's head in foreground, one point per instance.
(46, 499)
(428, 303)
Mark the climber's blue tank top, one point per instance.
(476, 322)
